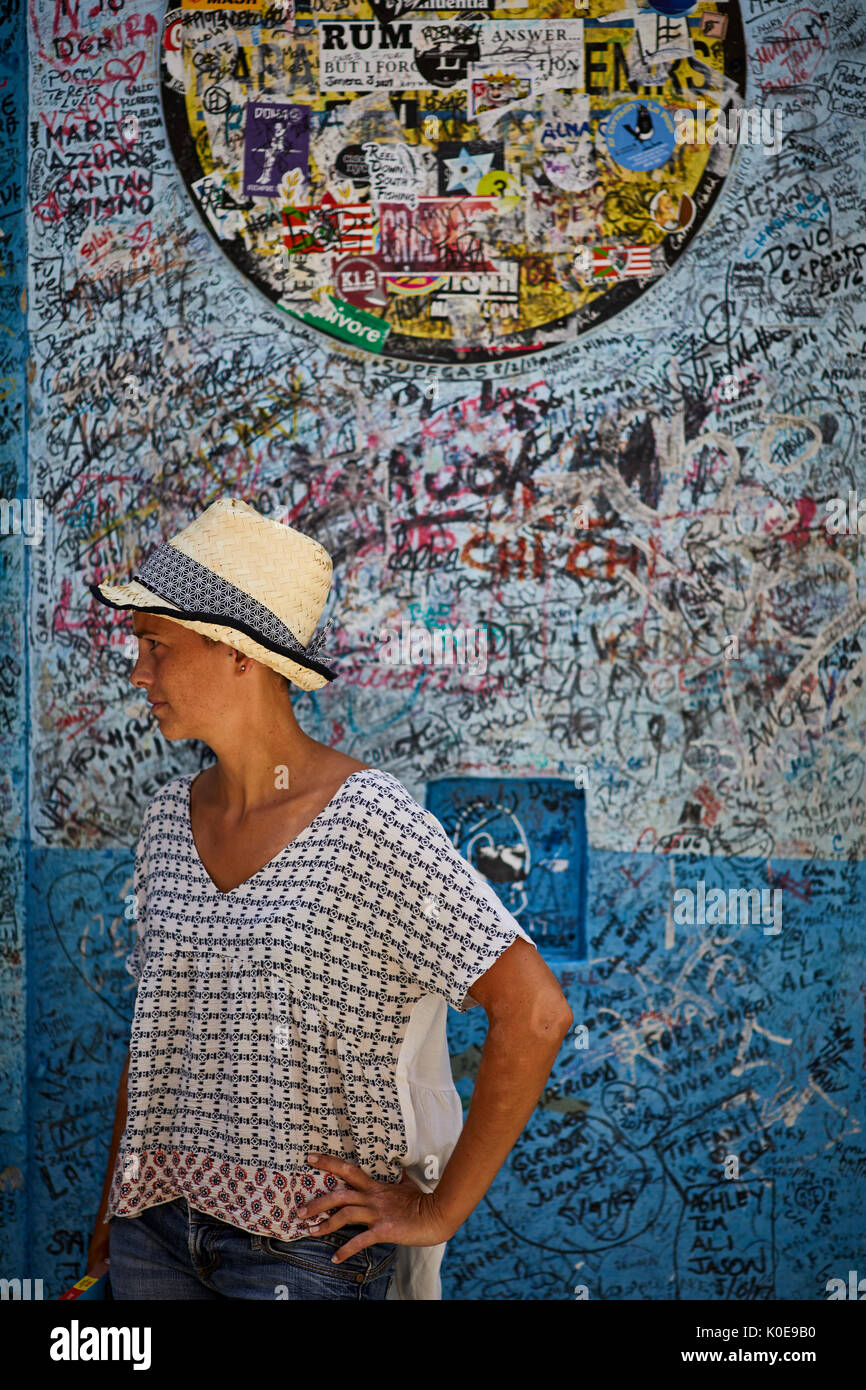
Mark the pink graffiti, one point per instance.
(799, 47)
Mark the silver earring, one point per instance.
(243, 668)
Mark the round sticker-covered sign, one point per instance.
(449, 185)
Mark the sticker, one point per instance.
(252, 6)
(444, 52)
(553, 49)
(358, 281)
(672, 213)
(437, 235)
(618, 262)
(660, 40)
(552, 219)
(572, 170)
(276, 139)
(362, 56)
(640, 135)
(344, 321)
(292, 187)
(463, 165)
(346, 227)
(498, 287)
(172, 51)
(395, 176)
(350, 162)
(498, 184)
(675, 7)
(413, 285)
(566, 124)
(714, 26)
(474, 5)
(492, 89)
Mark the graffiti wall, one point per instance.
(547, 320)
(13, 638)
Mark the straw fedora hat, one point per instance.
(241, 578)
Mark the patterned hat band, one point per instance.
(206, 597)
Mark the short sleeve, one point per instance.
(135, 961)
(443, 923)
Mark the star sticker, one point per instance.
(466, 169)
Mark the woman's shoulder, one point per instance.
(382, 785)
(381, 801)
(168, 796)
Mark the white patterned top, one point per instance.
(304, 1010)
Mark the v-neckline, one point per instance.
(300, 835)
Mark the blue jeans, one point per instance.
(172, 1251)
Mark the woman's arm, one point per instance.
(97, 1255)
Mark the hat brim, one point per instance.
(303, 671)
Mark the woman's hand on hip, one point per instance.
(393, 1212)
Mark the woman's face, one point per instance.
(181, 675)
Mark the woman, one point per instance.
(287, 1108)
